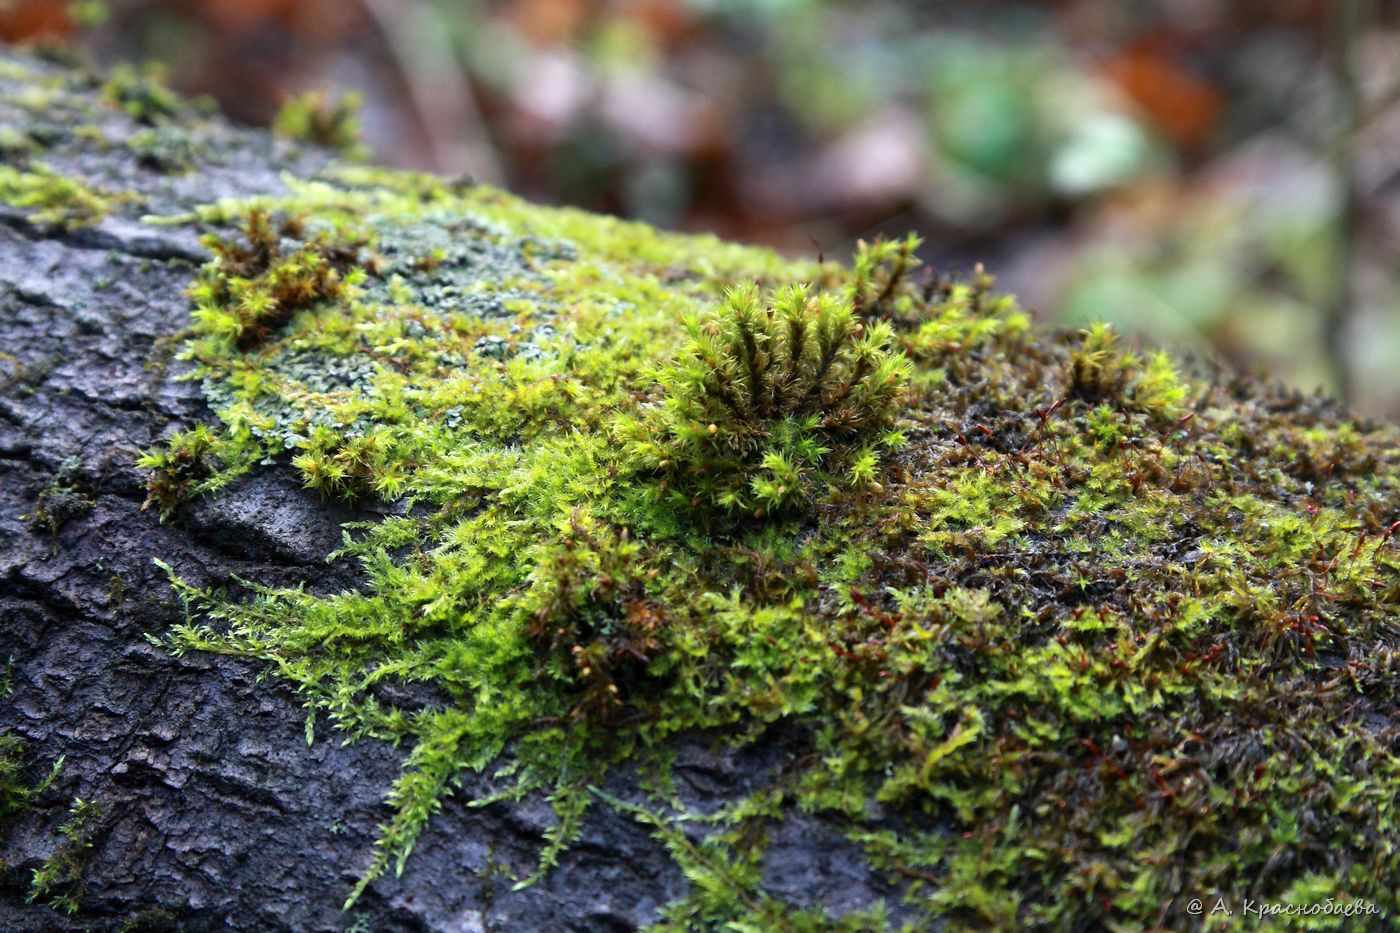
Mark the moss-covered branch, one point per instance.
(1058, 637)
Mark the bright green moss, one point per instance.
(196, 461)
(17, 795)
(1058, 638)
(317, 117)
(58, 882)
(769, 406)
(15, 792)
(1101, 369)
(141, 93)
(256, 283)
(50, 199)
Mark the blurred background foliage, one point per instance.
(1217, 175)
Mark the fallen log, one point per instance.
(381, 551)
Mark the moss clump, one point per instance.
(191, 462)
(141, 93)
(772, 404)
(256, 282)
(16, 794)
(49, 199)
(323, 119)
(57, 504)
(169, 150)
(59, 881)
(1056, 637)
(597, 627)
(1102, 370)
(15, 145)
(881, 283)
(351, 467)
(88, 14)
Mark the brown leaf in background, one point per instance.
(1181, 105)
(550, 22)
(26, 20)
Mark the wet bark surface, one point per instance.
(213, 810)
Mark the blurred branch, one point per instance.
(441, 95)
(1349, 17)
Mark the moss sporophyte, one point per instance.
(1053, 635)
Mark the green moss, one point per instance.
(257, 282)
(319, 118)
(51, 199)
(768, 407)
(16, 794)
(597, 630)
(1101, 369)
(88, 14)
(1053, 634)
(141, 93)
(196, 461)
(58, 881)
(166, 149)
(15, 145)
(57, 504)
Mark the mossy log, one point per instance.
(379, 551)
